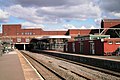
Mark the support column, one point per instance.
(24, 47)
(13, 46)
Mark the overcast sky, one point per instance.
(58, 14)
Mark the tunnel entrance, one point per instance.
(19, 46)
(27, 47)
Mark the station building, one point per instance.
(93, 45)
(110, 23)
(103, 41)
(22, 39)
(50, 42)
(110, 27)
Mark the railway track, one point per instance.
(88, 66)
(44, 71)
(51, 72)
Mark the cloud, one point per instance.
(92, 27)
(116, 14)
(72, 12)
(83, 27)
(53, 11)
(31, 25)
(28, 14)
(50, 3)
(110, 8)
(60, 29)
(57, 11)
(4, 16)
(69, 26)
(110, 5)
(6, 3)
(40, 3)
(98, 21)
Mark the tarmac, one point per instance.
(14, 67)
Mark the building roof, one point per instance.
(111, 20)
(11, 25)
(114, 39)
(54, 37)
(80, 36)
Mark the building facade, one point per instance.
(21, 37)
(94, 47)
(110, 23)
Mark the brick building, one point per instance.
(111, 27)
(103, 41)
(18, 36)
(110, 23)
(103, 46)
(21, 37)
(74, 32)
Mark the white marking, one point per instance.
(32, 67)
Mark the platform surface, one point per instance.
(113, 58)
(10, 67)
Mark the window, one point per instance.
(5, 33)
(110, 42)
(17, 33)
(95, 38)
(30, 33)
(92, 48)
(66, 46)
(11, 40)
(27, 40)
(18, 39)
(82, 38)
(73, 46)
(25, 33)
(81, 47)
(22, 33)
(117, 42)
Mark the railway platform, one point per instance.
(14, 67)
(10, 67)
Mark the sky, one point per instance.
(58, 14)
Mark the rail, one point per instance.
(61, 74)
